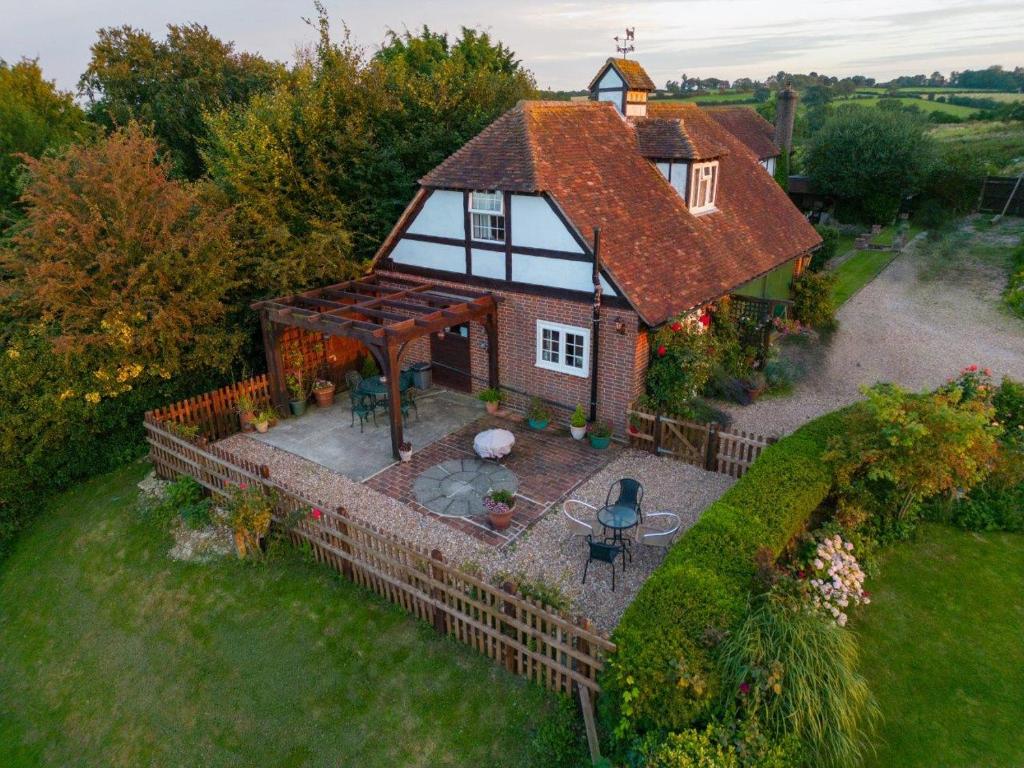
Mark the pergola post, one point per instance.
(275, 363)
(393, 373)
(491, 327)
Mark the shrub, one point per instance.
(827, 251)
(1008, 401)
(560, 740)
(369, 368)
(578, 418)
(796, 671)
(682, 362)
(687, 749)
(664, 674)
(812, 300)
(250, 510)
(188, 499)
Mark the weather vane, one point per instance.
(625, 45)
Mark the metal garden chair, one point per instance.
(363, 406)
(630, 494)
(605, 553)
(574, 510)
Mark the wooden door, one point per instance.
(450, 357)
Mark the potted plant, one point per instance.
(538, 414)
(262, 420)
(491, 398)
(297, 388)
(245, 404)
(499, 506)
(405, 451)
(600, 434)
(323, 391)
(578, 423)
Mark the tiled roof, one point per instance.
(662, 258)
(750, 128)
(635, 76)
(669, 139)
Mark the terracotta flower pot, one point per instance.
(500, 521)
(492, 407)
(245, 419)
(262, 426)
(324, 397)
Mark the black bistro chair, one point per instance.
(603, 552)
(630, 494)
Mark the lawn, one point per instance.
(857, 271)
(999, 144)
(923, 104)
(941, 648)
(113, 655)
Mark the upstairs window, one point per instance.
(703, 186)
(563, 348)
(487, 214)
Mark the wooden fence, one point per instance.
(706, 445)
(526, 637)
(214, 413)
(997, 191)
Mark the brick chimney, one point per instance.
(785, 114)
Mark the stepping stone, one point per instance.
(457, 487)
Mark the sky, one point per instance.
(563, 43)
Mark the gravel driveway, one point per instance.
(904, 329)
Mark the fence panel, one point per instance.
(528, 638)
(214, 413)
(998, 190)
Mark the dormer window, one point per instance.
(487, 213)
(703, 186)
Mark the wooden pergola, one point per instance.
(384, 312)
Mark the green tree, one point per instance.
(868, 159)
(170, 84)
(35, 117)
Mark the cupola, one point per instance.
(624, 83)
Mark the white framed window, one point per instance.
(563, 348)
(487, 215)
(703, 186)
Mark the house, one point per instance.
(591, 224)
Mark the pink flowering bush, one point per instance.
(835, 578)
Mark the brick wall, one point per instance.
(622, 356)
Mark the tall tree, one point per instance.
(169, 84)
(35, 117)
(868, 159)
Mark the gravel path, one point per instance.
(544, 553)
(902, 329)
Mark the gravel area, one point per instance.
(904, 329)
(544, 553)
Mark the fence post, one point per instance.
(657, 434)
(346, 562)
(437, 574)
(509, 609)
(711, 455)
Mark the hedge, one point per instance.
(664, 675)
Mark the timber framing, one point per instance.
(384, 312)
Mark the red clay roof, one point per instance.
(636, 77)
(662, 258)
(750, 128)
(669, 139)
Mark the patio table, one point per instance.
(377, 388)
(618, 519)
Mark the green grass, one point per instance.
(1000, 144)
(113, 655)
(941, 649)
(857, 271)
(923, 104)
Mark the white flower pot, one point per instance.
(578, 433)
(405, 455)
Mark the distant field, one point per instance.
(1000, 143)
(711, 98)
(994, 95)
(923, 104)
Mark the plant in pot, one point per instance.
(405, 451)
(323, 391)
(538, 415)
(499, 505)
(245, 404)
(600, 435)
(263, 419)
(578, 423)
(491, 397)
(297, 389)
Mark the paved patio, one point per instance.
(326, 435)
(546, 466)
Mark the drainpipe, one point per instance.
(595, 325)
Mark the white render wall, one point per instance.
(440, 216)
(535, 225)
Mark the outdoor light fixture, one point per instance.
(620, 327)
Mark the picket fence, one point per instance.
(528, 638)
(705, 445)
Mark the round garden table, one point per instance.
(618, 519)
(377, 388)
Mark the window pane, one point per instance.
(574, 350)
(486, 201)
(549, 345)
